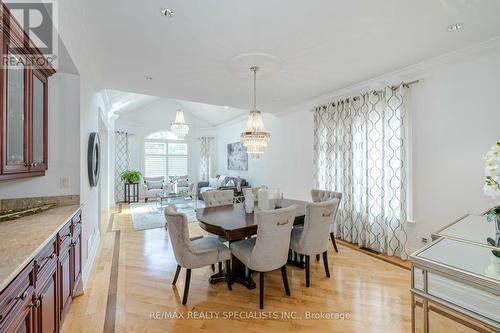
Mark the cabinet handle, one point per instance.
(22, 296)
(37, 303)
(52, 255)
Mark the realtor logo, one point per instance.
(38, 19)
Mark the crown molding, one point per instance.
(411, 72)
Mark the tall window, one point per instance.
(165, 155)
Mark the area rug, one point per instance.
(150, 215)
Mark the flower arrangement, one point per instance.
(492, 189)
(492, 169)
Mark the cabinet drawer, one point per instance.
(45, 257)
(14, 297)
(77, 230)
(64, 235)
(77, 218)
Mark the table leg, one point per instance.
(238, 274)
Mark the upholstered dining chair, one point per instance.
(269, 250)
(193, 253)
(312, 238)
(218, 198)
(322, 195)
(215, 199)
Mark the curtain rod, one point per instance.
(355, 98)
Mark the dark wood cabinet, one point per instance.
(45, 304)
(23, 104)
(37, 300)
(76, 256)
(65, 280)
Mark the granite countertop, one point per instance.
(23, 238)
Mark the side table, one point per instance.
(131, 192)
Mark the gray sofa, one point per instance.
(205, 185)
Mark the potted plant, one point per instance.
(131, 176)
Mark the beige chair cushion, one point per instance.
(312, 238)
(323, 195)
(218, 198)
(269, 250)
(192, 254)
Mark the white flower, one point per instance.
(492, 170)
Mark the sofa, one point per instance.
(221, 182)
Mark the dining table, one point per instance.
(233, 223)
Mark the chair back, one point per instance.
(218, 198)
(322, 195)
(273, 238)
(317, 223)
(154, 182)
(178, 231)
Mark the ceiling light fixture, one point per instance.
(455, 27)
(255, 137)
(168, 12)
(149, 78)
(179, 126)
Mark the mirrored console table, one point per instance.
(455, 283)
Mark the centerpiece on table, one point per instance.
(492, 189)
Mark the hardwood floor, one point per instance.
(135, 294)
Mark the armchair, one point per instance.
(152, 186)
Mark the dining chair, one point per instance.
(218, 198)
(193, 253)
(269, 250)
(322, 195)
(312, 238)
(215, 199)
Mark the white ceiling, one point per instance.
(125, 102)
(321, 45)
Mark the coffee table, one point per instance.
(169, 196)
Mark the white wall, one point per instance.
(72, 30)
(63, 145)
(456, 120)
(287, 162)
(158, 116)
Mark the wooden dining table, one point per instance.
(234, 224)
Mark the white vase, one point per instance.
(249, 200)
(263, 198)
(493, 269)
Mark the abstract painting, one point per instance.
(237, 157)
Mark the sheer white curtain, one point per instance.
(122, 162)
(206, 157)
(360, 149)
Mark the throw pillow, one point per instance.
(182, 183)
(230, 183)
(154, 185)
(213, 183)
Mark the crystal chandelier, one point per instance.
(255, 137)
(179, 126)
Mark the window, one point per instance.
(164, 158)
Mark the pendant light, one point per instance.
(179, 126)
(255, 137)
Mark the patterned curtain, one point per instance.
(206, 152)
(122, 162)
(360, 149)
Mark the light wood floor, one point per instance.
(373, 295)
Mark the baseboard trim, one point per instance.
(396, 261)
(92, 253)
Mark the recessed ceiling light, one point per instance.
(226, 107)
(168, 12)
(455, 27)
(149, 78)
